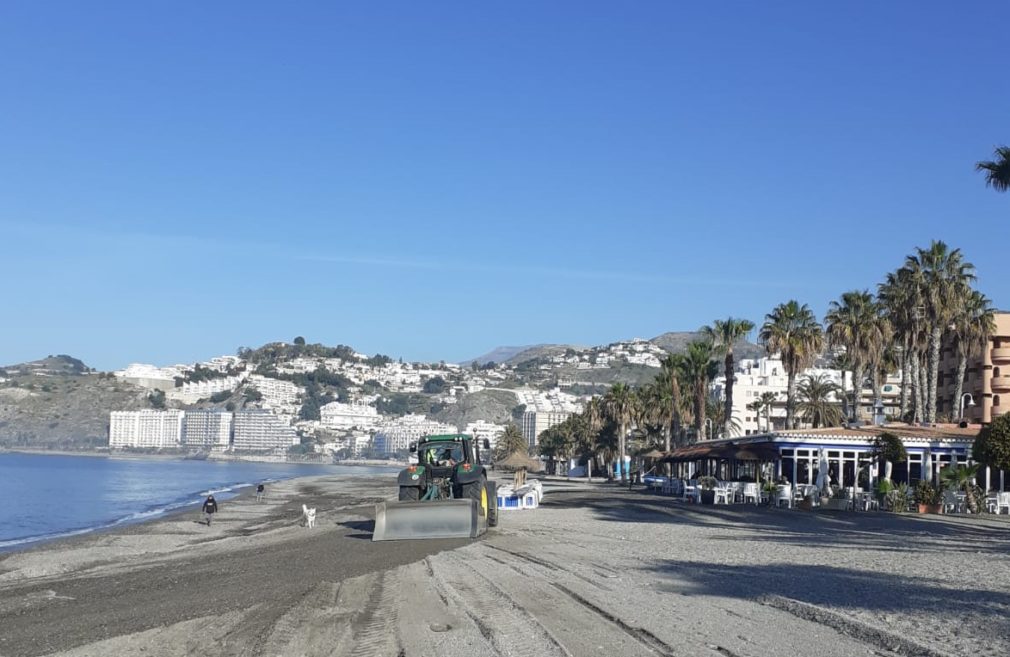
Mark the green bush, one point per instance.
(885, 486)
(992, 445)
(926, 493)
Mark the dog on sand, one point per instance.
(309, 515)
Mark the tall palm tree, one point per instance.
(997, 171)
(671, 372)
(619, 405)
(855, 323)
(817, 405)
(902, 298)
(699, 368)
(974, 323)
(946, 280)
(791, 330)
(724, 334)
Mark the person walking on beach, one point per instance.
(259, 492)
(209, 508)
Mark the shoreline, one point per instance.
(249, 458)
(164, 511)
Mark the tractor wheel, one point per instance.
(492, 501)
(410, 493)
(477, 491)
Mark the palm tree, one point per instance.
(817, 405)
(764, 403)
(945, 279)
(791, 330)
(997, 171)
(901, 296)
(962, 478)
(723, 335)
(670, 373)
(511, 441)
(855, 324)
(715, 412)
(974, 323)
(699, 368)
(619, 406)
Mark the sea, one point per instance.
(45, 497)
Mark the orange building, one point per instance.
(987, 378)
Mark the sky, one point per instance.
(430, 180)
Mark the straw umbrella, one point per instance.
(520, 462)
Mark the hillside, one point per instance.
(489, 405)
(61, 365)
(63, 412)
(676, 342)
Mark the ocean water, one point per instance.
(43, 497)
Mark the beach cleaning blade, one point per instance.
(397, 521)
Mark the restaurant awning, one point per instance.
(727, 452)
(748, 453)
(688, 453)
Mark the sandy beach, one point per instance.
(596, 570)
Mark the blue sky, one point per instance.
(430, 180)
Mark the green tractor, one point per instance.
(445, 494)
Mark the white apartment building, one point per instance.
(147, 428)
(536, 422)
(277, 394)
(396, 435)
(150, 376)
(207, 429)
(261, 430)
(337, 415)
(355, 444)
(195, 391)
(755, 377)
(483, 429)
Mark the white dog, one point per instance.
(310, 516)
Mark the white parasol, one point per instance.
(823, 478)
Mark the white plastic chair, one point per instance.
(1002, 502)
(751, 492)
(784, 493)
(723, 495)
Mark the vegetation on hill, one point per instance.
(490, 405)
(63, 412)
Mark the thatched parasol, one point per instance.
(519, 461)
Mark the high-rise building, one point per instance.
(536, 422)
(147, 428)
(260, 430)
(209, 429)
(987, 378)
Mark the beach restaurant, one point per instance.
(795, 455)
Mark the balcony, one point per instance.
(1000, 384)
(1001, 355)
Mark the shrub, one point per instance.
(896, 500)
(926, 493)
(885, 486)
(707, 482)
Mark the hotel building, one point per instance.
(987, 378)
(260, 430)
(145, 429)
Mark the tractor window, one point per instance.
(443, 454)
